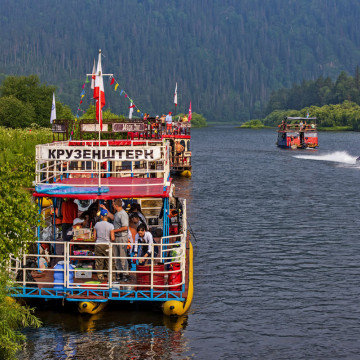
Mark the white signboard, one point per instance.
(93, 127)
(99, 153)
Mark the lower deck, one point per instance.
(164, 278)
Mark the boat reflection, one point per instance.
(107, 335)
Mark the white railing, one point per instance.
(54, 170)
(44, 276)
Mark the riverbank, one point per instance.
(320, 128)
(17, 154)
(18, 145)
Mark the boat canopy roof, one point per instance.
(111, 188)
(299, 118)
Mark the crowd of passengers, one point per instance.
(165, 124)
(128, 229)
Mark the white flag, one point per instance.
(53, 110)
(175, 95)
(131, 110)
(93, 77)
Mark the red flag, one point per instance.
(131, 106)
(99, 94)
(190, 113)
(112, 81)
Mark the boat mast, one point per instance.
(99, 75)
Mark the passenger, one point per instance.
(136, 208)
(179, 149)
(85, 216)
(121, 225)
(103, 234)
(168, 121)
(94, 210)
(131, 242)
(144, 238)
(134, 222)
(162, 119)
(69, 212)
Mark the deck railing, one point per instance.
(65, 159)
(171, 250)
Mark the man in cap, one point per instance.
(103, 233)
(121, 225)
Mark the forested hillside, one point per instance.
(226, 55)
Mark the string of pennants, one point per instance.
(82, 95)
(123, 92)
(116, 85)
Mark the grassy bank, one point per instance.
(17, 171)
(18, 145)
(254, 124)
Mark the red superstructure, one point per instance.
(297, 133)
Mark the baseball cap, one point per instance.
(103, 212)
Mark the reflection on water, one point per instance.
(107, 335)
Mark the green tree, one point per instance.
(107, 114)
(197, 120)
(30, 92)
(19, 217)
(14, 113)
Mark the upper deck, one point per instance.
(109, 169)
(298, 124)
(151, 128)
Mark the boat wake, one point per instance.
(338, 156)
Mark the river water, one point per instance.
(277, 260)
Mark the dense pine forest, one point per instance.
(227, 56)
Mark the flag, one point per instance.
(93, 77)
(131, 107)
(53, 110)
(99, 94)
(190, 113)
(175, 95)
(112, 81)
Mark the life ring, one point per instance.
(173, 213)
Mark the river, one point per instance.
(277, 256)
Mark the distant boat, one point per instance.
(298, 133)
